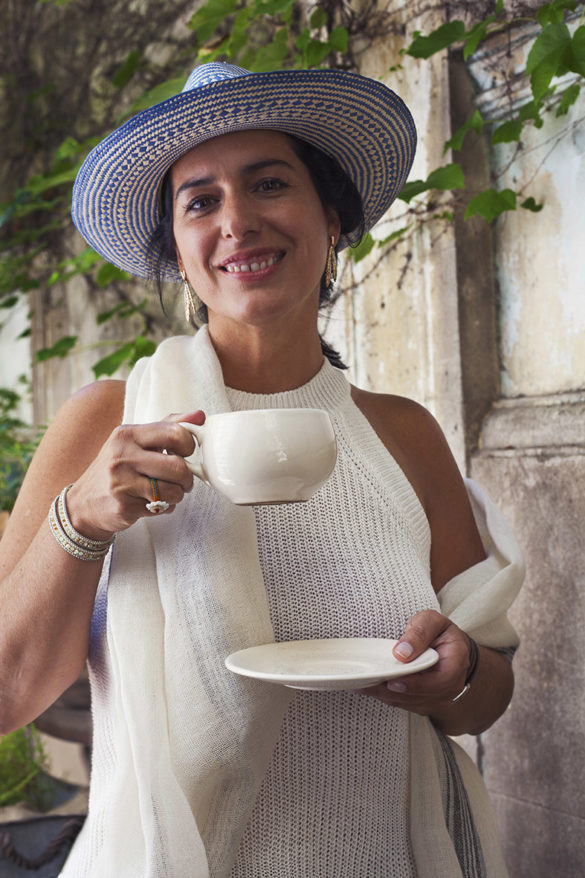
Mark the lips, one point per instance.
(251, 263)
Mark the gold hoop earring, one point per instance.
(331, 263)
(189, 300)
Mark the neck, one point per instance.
(264, 359)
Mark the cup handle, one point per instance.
(197, 432)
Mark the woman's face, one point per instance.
(250, 231)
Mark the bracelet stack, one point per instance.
(71, 540)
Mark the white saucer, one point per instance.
(336, 663)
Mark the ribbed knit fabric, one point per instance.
(353, 561)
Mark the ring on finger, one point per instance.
(156, 505)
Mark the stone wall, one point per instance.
(486, 326)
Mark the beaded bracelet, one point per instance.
(71, 540)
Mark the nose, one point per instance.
(239, 217)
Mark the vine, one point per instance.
(264, 35)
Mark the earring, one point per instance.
(331, 264)
(190, 307)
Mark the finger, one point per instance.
(166, 492)
(196, 417)
(421, 631)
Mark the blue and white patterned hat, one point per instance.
(364, 125)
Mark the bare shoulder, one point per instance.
(411, 434)
(71, 442)
(417, 443)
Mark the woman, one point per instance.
(244, 187)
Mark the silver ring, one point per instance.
(465, 689)
(156, 505)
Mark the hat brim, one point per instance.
(364, 125)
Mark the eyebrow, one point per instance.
(246, 169)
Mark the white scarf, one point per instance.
(184, 744)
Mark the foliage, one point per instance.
(264, 35)
(17, 446)
(554, 53)
(23, 767)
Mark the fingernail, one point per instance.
(396, 687)
(404, 649)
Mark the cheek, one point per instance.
(191, 248)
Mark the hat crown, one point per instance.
(213, 71)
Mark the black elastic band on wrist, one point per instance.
(473, 660)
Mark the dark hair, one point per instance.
(335, 190)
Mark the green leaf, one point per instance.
(445, 35)
(316, 52)
(411, 189)
(475, 123)
(209, 17)
(9, 301)
(317, 18)
(507, 132)
(128, 68)
(448, 177)
(473, 38)
(339, 39)
(128, 353)
(159, 93)
(143, 347)
(550, 13)
(274, 7)
(60, 349)
(491, 203)
(271, 57)
(302, 41)
(122, 309)
(68, 149)
(42, 182)
(530, 204)
(546, 56)
(361, 250)
(110, 364)
(576, 62)
(531, 110)
(568, 99)
(399, 233)
(108, 273)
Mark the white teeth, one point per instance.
(234, 268)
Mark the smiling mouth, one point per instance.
(253, 265)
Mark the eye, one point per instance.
(271, 184)
(199, 203)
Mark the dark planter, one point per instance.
(38, 846)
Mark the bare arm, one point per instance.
(46, 595)
(416, 441)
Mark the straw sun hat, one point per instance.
(358, 121)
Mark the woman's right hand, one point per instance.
(47, 596)
(112, 493)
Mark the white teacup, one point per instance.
(264, 455)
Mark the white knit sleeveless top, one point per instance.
(352, 562)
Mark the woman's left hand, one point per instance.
(427, 692)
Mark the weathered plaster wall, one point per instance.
(401, 333)
(542, 282)
(532, 459)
